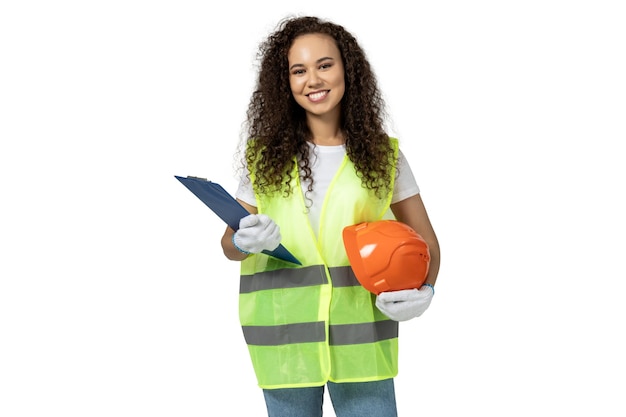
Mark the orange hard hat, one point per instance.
(386, 255)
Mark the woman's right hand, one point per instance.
(257, 232)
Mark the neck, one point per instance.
(326, 134)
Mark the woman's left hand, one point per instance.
(405, 304)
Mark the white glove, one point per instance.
(257, 232)
(405, 304)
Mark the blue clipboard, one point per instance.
(227, 208)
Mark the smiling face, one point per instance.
(316, 75)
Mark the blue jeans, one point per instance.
(354, 399)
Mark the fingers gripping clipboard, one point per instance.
(227, 208)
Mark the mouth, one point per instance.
(318, 95)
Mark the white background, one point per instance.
(115, 298)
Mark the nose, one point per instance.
(314, 79)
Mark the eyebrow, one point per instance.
(317, 62)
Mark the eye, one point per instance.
(326, 65)
(298, 71)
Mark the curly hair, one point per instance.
(276, 129)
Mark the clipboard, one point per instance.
(228, 209)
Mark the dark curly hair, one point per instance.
(276, 129)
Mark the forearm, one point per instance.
(413, 213)
(230, 251)
(435, 259)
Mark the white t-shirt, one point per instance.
(326, 160)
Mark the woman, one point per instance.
(317, 159)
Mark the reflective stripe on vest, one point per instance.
(352, 334)
(283, 278)
(306, 325)
(284, 334)
(340, 334)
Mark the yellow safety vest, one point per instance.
(306, 325)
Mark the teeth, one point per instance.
(317, 96)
